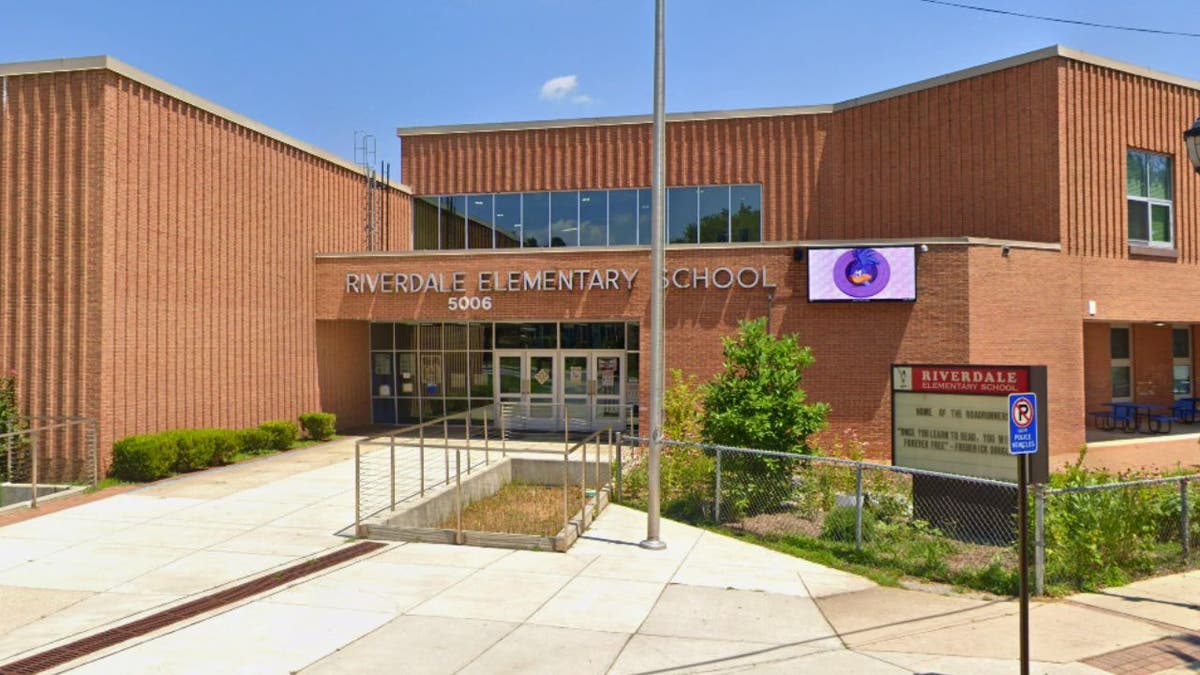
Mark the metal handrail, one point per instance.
(33, 433)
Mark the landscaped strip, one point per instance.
(57, 656)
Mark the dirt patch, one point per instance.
(520, 509)
(782, 524)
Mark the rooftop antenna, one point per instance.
(364, 156)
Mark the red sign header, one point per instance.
(970, 379)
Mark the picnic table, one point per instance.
(1132, 417)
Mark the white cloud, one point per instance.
(581, 99)
(558, 88)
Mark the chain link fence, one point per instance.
(943, 527)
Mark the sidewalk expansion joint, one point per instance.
(62, 654)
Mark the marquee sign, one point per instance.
(955, 418)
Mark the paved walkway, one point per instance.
(706, 604)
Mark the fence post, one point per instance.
(566, 498)
(92, 444)
(1039, 539)
(618, 477)
(858, 506)
(717, 491)
(583, 487)
(357, 492)
(596, 482)
(421, 456)
(487, 457)
(33, 448)
(1184, 518)
(392, 467)
(458, 535)
(446, 448)
(503, 431)
(467, 438)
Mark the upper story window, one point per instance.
(1148, 186)
(695, 215)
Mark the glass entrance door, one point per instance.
(593, 383)
(608, 406)
(526, 388)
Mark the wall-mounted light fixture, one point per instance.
(1005, 251)
(1191, 141)
(923, 248)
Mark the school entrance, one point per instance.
(543, 376)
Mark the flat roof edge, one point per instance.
(1044, 53)
(614, 120)
(805, 243)
(142, 77)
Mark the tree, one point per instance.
(757, 402)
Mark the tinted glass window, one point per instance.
(425, 224)
(681, 216)
(645, 208)
(746, 212)
(381, 336)
(564, 218)
(508, 221)
(535, 218)
(593, 218)
(714, 214)
(537, 335)
(593, 335)
(1120, 343)
(1181, 343)
(622, 217)
(479, 221)
(454, 222)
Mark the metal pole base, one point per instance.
(653, 544)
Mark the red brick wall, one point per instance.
(343, 375)
(1097, 362)
(1103, 113)
(976, 157)
(156, 260)
(854, 344)
(51, 138)
(1152, 382)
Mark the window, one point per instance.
(705, 214)
(1181, 363)
(1148, 186)
(1122, 368)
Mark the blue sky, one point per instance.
(322, 70)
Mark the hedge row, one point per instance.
(153, 456)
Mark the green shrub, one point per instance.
(142, 458)
(841, 521)
(225, 443)
(282, 433)
(193, 448)
(757, 402)
(681, 408)
(253, 441)
(319, 426)
(688, 476)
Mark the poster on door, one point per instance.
(431, 373)
(575, 374)
(608, 371)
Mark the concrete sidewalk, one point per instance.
(707, 603)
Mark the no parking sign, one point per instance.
(1022, 424)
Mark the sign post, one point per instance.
(1022, 442)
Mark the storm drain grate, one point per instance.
(1152, 657)
(60, 655)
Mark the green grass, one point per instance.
(104, 484)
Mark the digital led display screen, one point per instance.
(866, 274)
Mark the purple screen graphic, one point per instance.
(864, 273)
